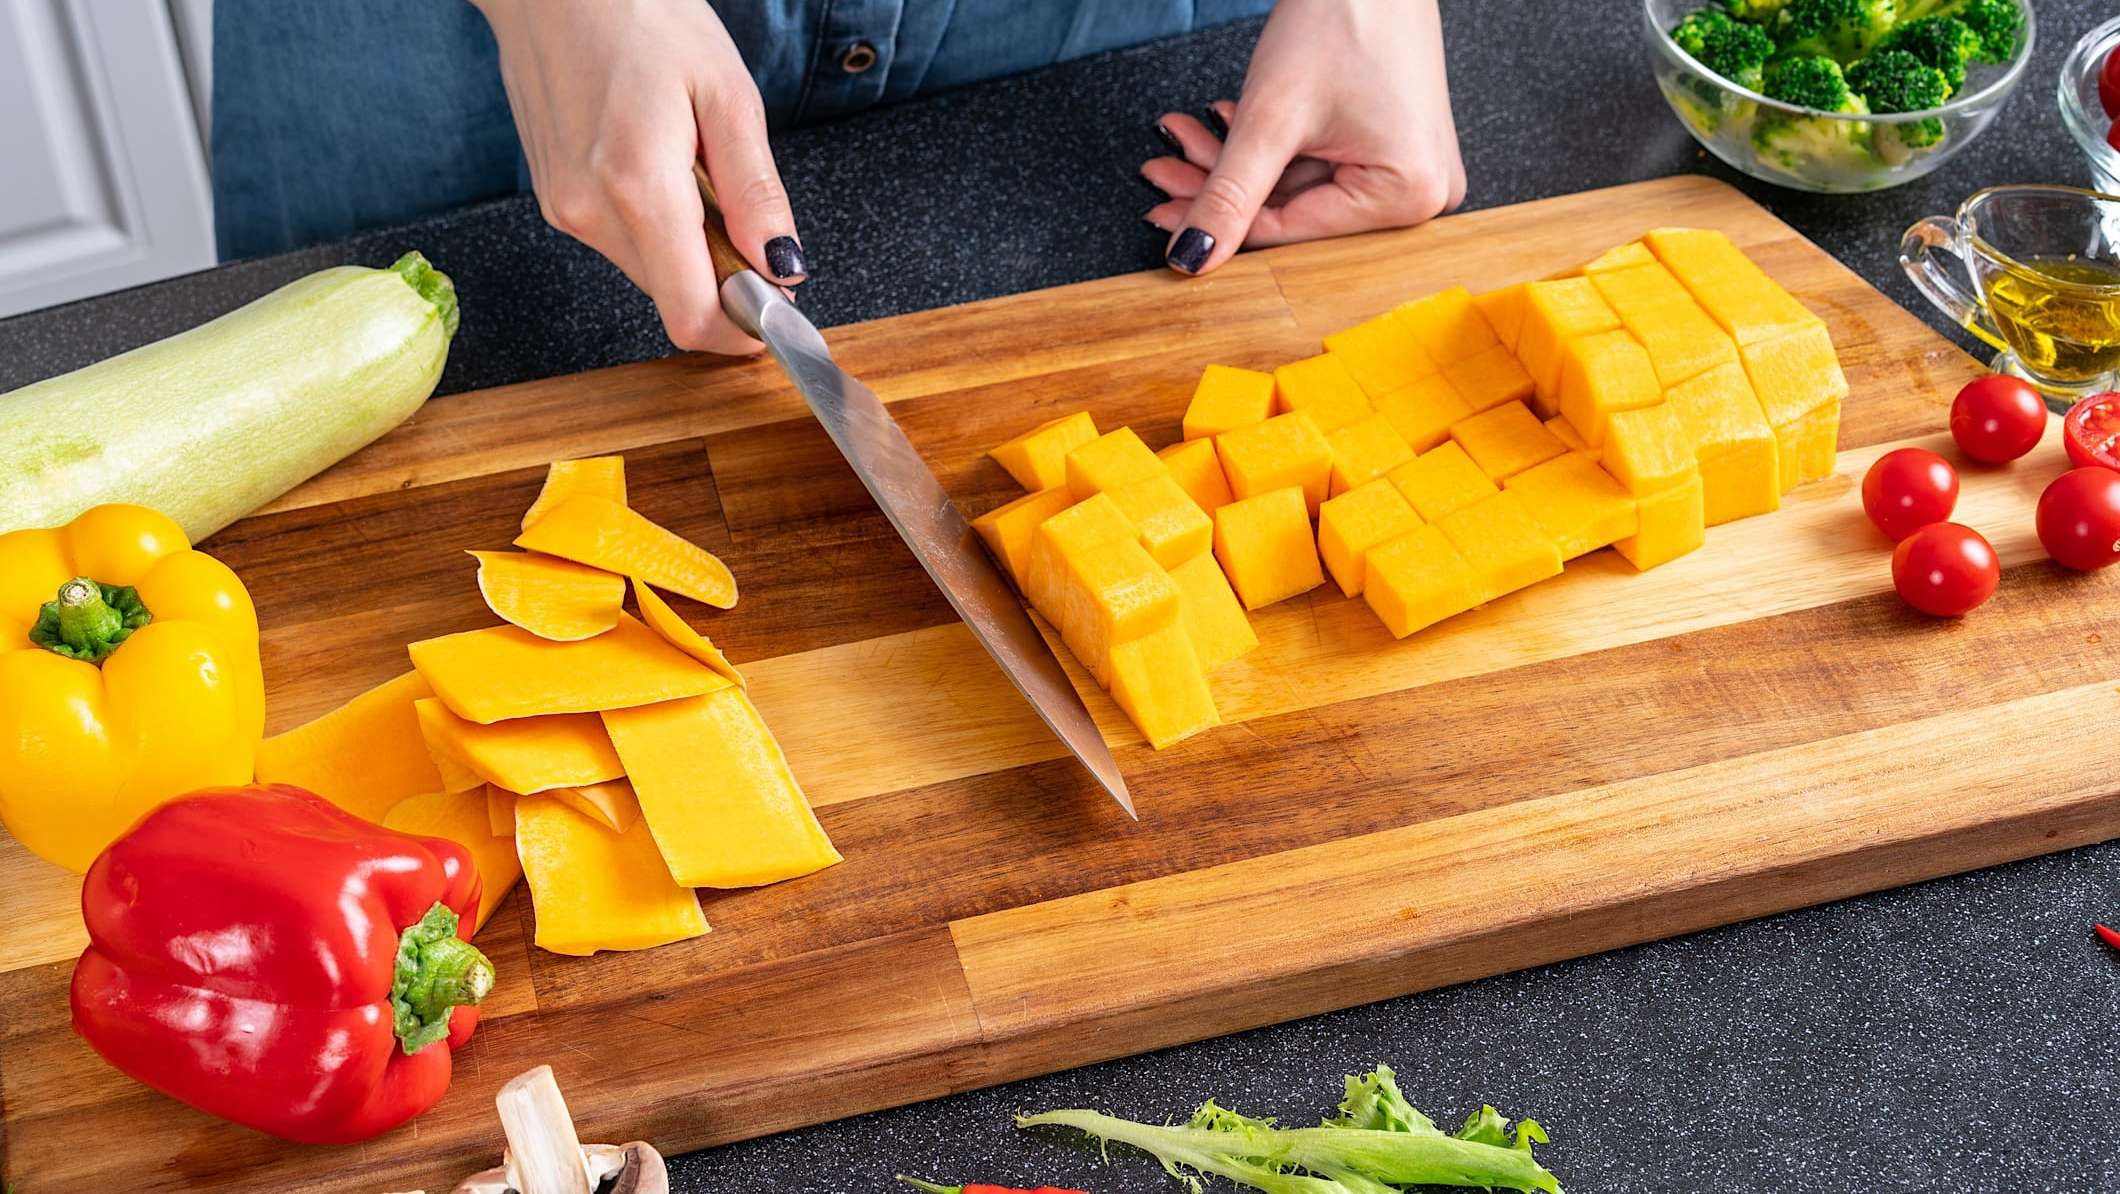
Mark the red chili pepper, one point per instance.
(271, 959)
(2109, 936)
(978, 1188)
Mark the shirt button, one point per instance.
(859, 57)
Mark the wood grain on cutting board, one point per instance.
(1602, 759)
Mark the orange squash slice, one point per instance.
(460, 817)
(549, 597)
(604, 476)
(594, 889)
(500, 811)
(604, 534)
(364, 756)
(524, 754)
(610, 804)
(503, 672)
(678, 633)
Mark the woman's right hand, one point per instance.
(615, 99)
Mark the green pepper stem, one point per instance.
(88, 620)
(437, 972)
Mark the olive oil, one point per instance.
(2060, 315)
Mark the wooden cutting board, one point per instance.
(1603, 759)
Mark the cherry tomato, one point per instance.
(2109, 85)
(2079, 519)
(2092, 432)
(1945, 569)
(1908, 489)
(1998, 418)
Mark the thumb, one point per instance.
(732, 134)
(1220, 216)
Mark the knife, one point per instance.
(910, 496)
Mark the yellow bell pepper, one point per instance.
(128, 674)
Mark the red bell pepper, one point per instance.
(274, 960)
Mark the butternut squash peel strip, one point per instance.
(595, 889)
(604, 534)
(549, 597)
(364, 756)
(678, 633)
(504, 671)
(524, 754)
(604, 476)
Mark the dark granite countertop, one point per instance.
(1942, 1037)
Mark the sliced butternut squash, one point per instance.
(524, 754)
(503, 672)
(364, 756)
(500, 810)
(549, 597)
(604, 476)
(678, 633)
(457, 775)
(594, 889)
(603, 534)
(611, 804)
(717, 793)
(460, 817)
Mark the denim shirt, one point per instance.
(330, 117)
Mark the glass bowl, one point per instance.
(2080, 110)
(1810, 150)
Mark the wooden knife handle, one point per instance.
(727, 260)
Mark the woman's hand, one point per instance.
(615, 99)
(1344, 126)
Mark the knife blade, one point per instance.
(914, 501)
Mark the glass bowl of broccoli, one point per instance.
(1837, 95)
(2082, 109)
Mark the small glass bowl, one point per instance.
(2080, 110)
(1818, 151)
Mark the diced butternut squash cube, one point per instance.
(601, 533)
(1565, 432)
(1488, 379)
(594, 889)
(500, 809)
(1442, 481)
(678, 633)
(1740, 296)
(1037, 459)
(460, 817)
(1076, 530)
(1740, 470)
(1417, 580)
(1365, 450)
(1681, 340)
(1423, 412)
(1352, 523)
(1228, 398)
(1673, 522)
(716, 792)
(1208, 608)
(1619, 257)
(1577, 504)
(1506, 440)
(1172, 527)
(524, 754)
(1602, 373)
(1112, 594)
(604, 476)
(1197, 467)
(1008, 529)
(1648, 450)
(502, 672)
(1265, 547)
(1448, 325)
(611, 804)
(1816, 437)
(1556, 312)
(1158, 680)
(1113, 459)
(1795, 374)
(1381, 353)
(364, 756)
(1322, 388)
(1504, 309)
(1284, 450)
(547, 596)
(1504, 546)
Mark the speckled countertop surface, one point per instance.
(1952, 1036)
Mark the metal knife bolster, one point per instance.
(925, 517)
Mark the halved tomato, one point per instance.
(2091, 430)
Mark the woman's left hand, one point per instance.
(1344, 126)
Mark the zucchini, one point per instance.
(213, 423)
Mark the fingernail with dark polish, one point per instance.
(1190, 251)
(1169, 138)
(1215, 122)
(1160, 193)
(784, 257)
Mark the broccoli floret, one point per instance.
(1757, 11)
(1999, 24)
(1841, 29)
(1810, 145)
(1895, 81)
(1810, 81)
(1945, 43)
(1731, 49)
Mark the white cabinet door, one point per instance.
(103, 182)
